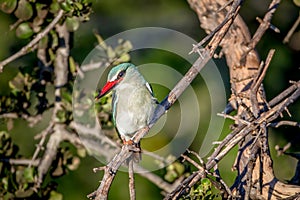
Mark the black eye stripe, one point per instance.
(121, 74)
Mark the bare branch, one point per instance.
(257, 83)
(131, 180)
(20, 161)
(31, 45)
(285, 123)
(228, 19)
(234, 138)
(292, 30)
(263, 27)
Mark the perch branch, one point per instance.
(228, 19)
(131, 180)
(126, 152)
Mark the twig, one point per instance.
(96, 169)
(24, 50)
(234, 138)
(199, 167)
(257, 83)
(39, 147)
(284, 123)
(281, 96)
(263, 27)
(234, 118)
(271, 26)
(228, 18)
(282, 150)
(292, 30)
(131, 180)
(218, 177)
(20, 161)
(197, 156)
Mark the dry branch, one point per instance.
(246, 78)
(32, 44)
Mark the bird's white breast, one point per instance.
(134, 109)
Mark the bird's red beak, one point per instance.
(107, 87)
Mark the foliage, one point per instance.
(202, 191)
(29, 99)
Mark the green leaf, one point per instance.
(78, 5)
(179, 168)
(24, 10)
(72, 24)
(18, 82)
(43, 43)
(41, 10)
(24, 31)
(61, 116)
(66, 6)
(81, 152)
(28, 175)
(54, 7)
(8, 6)
(55, 196)
(205, 182)
(72, 65)
(5, 183)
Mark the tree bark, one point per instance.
(256, 179)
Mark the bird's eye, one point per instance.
(121, 74)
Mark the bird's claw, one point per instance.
(133, 146)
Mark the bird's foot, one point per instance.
(135, 147)
(128, 142)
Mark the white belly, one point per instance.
(135, 108)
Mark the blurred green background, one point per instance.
(112, 17)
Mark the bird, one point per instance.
(133, 101)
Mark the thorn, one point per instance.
(271, 26)
(288, 112)
(216, 142)
(99, 169)
(195, 46)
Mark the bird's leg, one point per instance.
(135, 147)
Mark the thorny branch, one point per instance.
(125, 153)
(253, 147)
(235, 136)
(245, 126)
